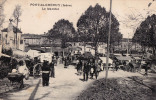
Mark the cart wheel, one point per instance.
(21, 84)
(15, 84)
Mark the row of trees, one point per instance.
(92, 26)
(145, 34)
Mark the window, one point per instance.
(21, 41)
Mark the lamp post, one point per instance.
(128, 44)
(108, 43)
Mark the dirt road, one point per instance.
(66, 86)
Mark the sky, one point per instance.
(35, 20)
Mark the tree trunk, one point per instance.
(63, 45)
(110, 49)
(96, 50)
(154, 48)
(84, 47)
(63, 52)
(16, 35)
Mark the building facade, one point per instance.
(41, 42)
(127, 44)
(11, 37)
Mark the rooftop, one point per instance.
(33, 36)
(15, 29)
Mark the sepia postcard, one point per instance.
(77, 49)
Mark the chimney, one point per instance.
(10, 26)
(10, 20)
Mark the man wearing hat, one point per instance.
(45, 73)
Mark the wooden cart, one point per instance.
(16, 80)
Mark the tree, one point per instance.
(151, 3)
(16, 14)
(93, 26)
(145, 34)
(64, 30)
(2, 17)
(115, 40)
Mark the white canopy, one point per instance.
(19, 53)
(104, 60)
(137, 58)
(33, 53)
(124, 58)
(46, 56)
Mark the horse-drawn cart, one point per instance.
(16, 80)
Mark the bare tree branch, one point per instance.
(17, 13)
(2, 16)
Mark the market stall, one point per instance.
(110, 64)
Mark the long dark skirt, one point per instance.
(52, 72)
(45, 79)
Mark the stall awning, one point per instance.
(137, 58)
(4, 55)
(75, 48)
(124, 58)
(19, 53)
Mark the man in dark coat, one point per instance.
(79, 67)
(65, 62)
(52, 69)
(86, 70)
(131, 66)
(45, 73)
(147, 66)
(92, 68)
(117, 63)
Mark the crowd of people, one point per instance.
(88, 67)
(132, 65)
(92, 67)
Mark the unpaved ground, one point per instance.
(16, 94)
(66, 86)
(117, 89)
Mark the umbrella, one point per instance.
(88, 55)
(81, 57)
